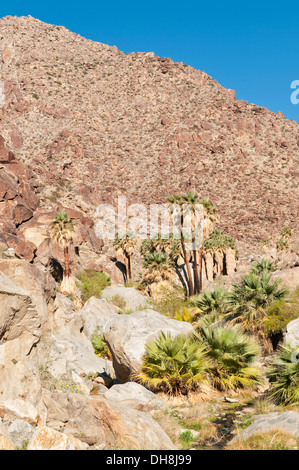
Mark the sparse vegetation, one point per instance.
(92, 283)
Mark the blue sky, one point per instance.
(251, 47)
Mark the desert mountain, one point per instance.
(94, 123)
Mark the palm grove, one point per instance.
(232, 328)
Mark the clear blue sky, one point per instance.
(251, 47)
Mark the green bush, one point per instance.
(92, 283)
(280, 313)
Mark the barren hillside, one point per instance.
(94, 123)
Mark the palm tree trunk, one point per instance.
(66, 261)
(127, 268)
(130, 267)
(200, 267)
(197, 286)
(190, 281)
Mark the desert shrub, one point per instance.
(173, 365)
(171, 300)
(280, 313)
(92, 283)
(118, 300)
(272, 440)
(284, 375)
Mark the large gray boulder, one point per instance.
(287, 422)
(128, 335)
(68, 348)
(96, 313)
(135, 396)
(101, 421)
(19, 332)
(134, 299)
(20, 431)
(292, 333)
(37, 282)
(289, 277)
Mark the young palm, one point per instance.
(215, 301)
(62, 232)
(173, 365)
(284, 375)
(233, 355)
(264, 265)
(252, 296)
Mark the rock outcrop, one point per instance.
(287, 421)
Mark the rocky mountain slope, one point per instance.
(94, 123)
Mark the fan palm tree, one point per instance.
(249, 302)
(263, 265)
(177, 200)
(284, 375)
(162, 244)
(215, 301)
(174, 365)
(192, 199)
(233, 355)
(62, 232)
(125, 247)
(158, 268)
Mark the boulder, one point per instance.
(19, 332)
(67, 348)
(101, 421)
(289, 277)
(96, 313)
(36, 280)
(132, 429)
(74, 413)
(5, 440)
(136, 396)
(134, 299)
(287, 421)
(19, 410)
(46, 438)
(292, 333)
(128, 335)
(19, 322)
(20, 431)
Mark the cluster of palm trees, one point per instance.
(229, 338)
(164, 254)
(248, 301)
(221, 357)
(210, 218)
